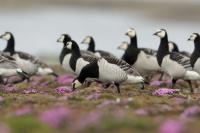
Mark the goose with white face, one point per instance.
(131, 32)
(171, 46)
(86, 40)
(76, 84)
(160, 33)
(69, 45)
(6, 36)
(123, 46)
(192, 37)
(61, 39)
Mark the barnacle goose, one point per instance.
(195, 57)
(89, 40)
(109, 70)
(173, 47)
(66, 53)
(25, 61)
(143, 62)
(9, 68)
(78, 62)
(175, 64)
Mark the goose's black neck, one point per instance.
(163, 49)
(89, 71)
(91, 45)
(131, 53)
(10, 46)
(133, 41)
(196, 53)
(76, 54)
(197, 43)
(63, 53)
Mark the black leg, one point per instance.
(142, 86)
(118, 89)
(161, 76)
(190, 84)
(1, 80)
(173, 83)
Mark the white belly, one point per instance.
(173, 68)
(110, 72)
(197, 66)
(79, 65)
(146, 63)
(44, 71)
(26, 65)
(8, 72)
(65, 64)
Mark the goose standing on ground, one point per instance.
(143, 62)
(175, 64)
(25, 61)
(91, 47)
(195, 57)
(66, 53)
(173, 47)
(78, 62)
(9, 68)
(110, 70)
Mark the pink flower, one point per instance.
(141, 112)
(55, 117)
(156, 83)
(64, 79)
(164, 91)
(63, 90)
(23, 111)
(190, 112)
(171, 126)
(9, 89)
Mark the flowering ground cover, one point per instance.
(48, 105)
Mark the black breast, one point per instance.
(195, 55)
(64, 52)
(89, 71)
(131, 55)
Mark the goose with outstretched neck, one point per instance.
(174, 64)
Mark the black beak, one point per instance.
(189, 39)
(126, 33)
(1, 36)
(54, 74)
(155, 34)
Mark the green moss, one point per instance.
(27, 125)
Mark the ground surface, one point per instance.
(46, 104)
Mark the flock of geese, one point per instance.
(102, 66)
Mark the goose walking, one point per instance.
(175, 64)
(108, 70)
(78, 62)
(89, 40)
(25, 61)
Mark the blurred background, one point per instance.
(37, 24)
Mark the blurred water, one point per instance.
(36, 30)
